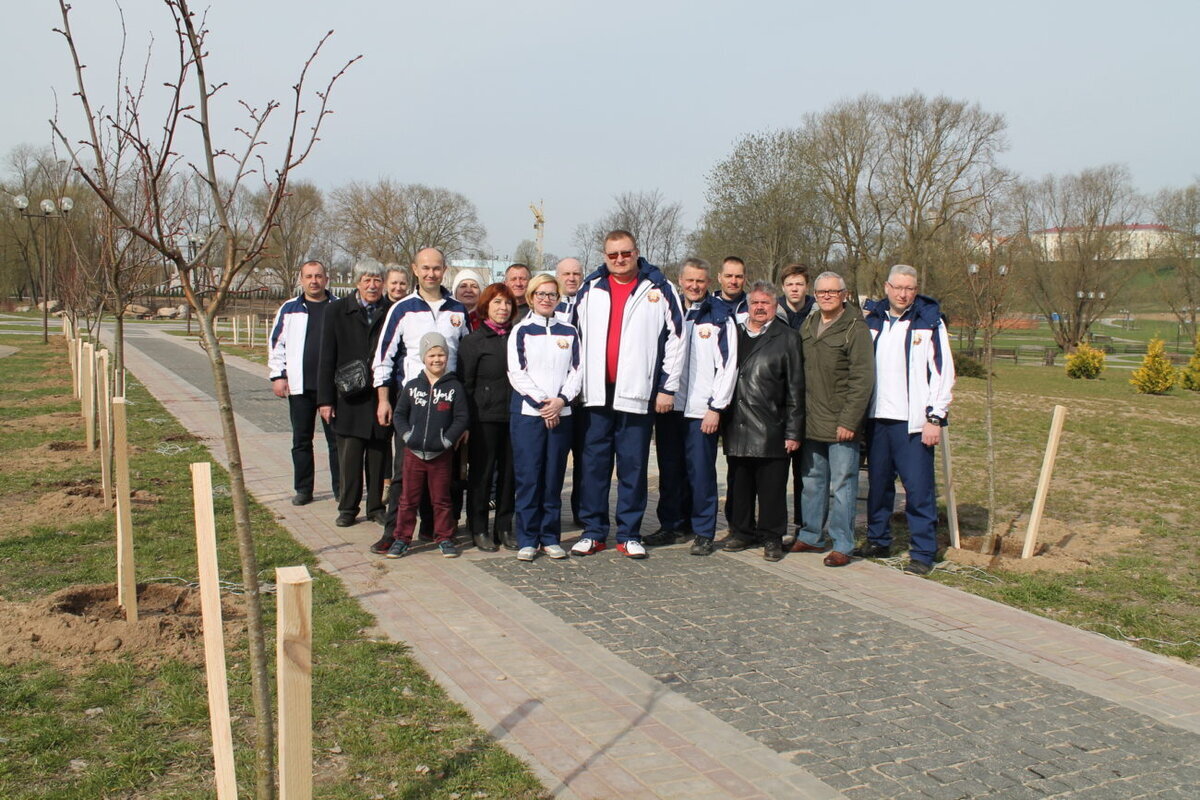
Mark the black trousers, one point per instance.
(763, 480)
(302, 408)
(490, 462)
(359, 456)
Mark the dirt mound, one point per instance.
(79, 625)
(1061, 547)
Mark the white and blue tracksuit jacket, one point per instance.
(398, 354)
(738, 307)
(928, 366)
(651, 353)
(543, 362)
(710, 362)
(288, 334)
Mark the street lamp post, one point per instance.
(193, 244)
(1083, 322)
(48, 211)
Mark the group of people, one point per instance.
(501, 382)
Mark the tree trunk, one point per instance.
(264, 747)
(119, 352)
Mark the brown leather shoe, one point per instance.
(804, 547)
(836, 559)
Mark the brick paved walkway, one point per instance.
(730, 677)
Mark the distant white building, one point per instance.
(1125, 242)
(490, 269)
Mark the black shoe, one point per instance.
(382, 546)
(736, 544)
(378, 517)
(509, 539)
(425, 534)
(869, 550)
(301, 498)
(484, 542)
(702, 546)
(918, 568)
(663, 537)
(346, 519)
(773, 550)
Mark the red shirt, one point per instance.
(620, 293)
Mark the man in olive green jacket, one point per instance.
(839, 377)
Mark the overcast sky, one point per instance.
(572, 102)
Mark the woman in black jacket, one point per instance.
(483, 367)
(352, 326)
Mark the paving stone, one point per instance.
(875, 695)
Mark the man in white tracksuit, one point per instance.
(630, 325)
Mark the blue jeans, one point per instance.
(830, 470)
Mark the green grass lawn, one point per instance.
(1126, 460)
(382, 727)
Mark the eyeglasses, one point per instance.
(828, 292)
(546, 295)
(901, 289)
(619, 254)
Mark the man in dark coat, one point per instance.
(352, 326)
(762, 426)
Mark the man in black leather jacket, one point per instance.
(763, 426)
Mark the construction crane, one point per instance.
(539, 225)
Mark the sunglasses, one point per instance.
(619, 254)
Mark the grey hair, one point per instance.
(827, 274)
(368, 266)
(694, 263)
(761, 286)
(903, 269)
(397, 268)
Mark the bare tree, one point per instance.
(936, 155)
(764, 206)
(527, 253)
(1179, 211)
(1074, 231)
(298, 227)
(391, 221)
(154, 148)
(656, 224)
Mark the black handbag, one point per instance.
(352, 378)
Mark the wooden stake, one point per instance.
(234, 321)
(1039, 501)
(293, 666)
(77, 357)
(214, 640)
(104, 409)
(88, 406)
(267, 333)
(126, 585)
(250, 331)
(951, 504)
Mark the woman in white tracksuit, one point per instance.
(543, 369)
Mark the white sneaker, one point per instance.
(632, 549)
(526, 553)
(554, 551)
(586, 547)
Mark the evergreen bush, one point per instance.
(1085, 362)
(1156, 375)
(1191, 373)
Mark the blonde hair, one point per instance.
(539, 280)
